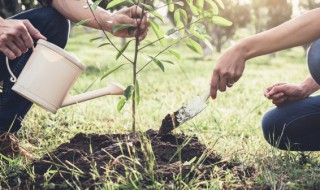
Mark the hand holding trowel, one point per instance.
(185, 113)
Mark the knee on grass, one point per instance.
(273, 129)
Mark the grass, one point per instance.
(230, 125)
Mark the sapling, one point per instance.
(186, 31)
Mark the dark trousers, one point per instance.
(13, 107)
(294, 126)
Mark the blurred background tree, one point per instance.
(238, 13)
(270, 13)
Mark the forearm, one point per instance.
(309, 86)
(74, 10)
(298, 31)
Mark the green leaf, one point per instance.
(168, 61)
(137, 91)
(214, 7)
(82, 22)
(195, 46)
(104, 44)
(208, 43)
(170, 5)
(179, 3)
(115, 3)
(198, 30)
(122, 49)
(171, 31)
(177, 55)
(192, 7)
(220, 3)
(94, 39)
(95, 4)
(128, 92)
(221, 21)
(147, 7)
(121, 103)
(180, 15)
(158, 31)
(121, 27)
(157, 15)
(111, 71)
(180, 25)
(199, 4)
(158, 62)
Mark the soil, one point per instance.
(169, 123)
(87, 154)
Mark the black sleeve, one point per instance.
(45, 2)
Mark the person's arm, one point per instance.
(298, 31)
(282, 93)
(76, 11)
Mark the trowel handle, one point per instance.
(205, 97)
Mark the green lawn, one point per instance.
(230, 124)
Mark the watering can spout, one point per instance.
(110, 89)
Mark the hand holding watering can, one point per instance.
(49, 75)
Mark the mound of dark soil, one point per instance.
(90, 159)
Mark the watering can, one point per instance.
(49, 75)
(313, 60)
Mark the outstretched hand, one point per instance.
(282, 93)
(228, 70)
(16, 37)
(131, 15)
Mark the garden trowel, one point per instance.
(185, 113)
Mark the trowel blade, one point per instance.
(182, 115)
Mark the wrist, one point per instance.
(245, 49)
(309, 86)
(304, 90)
(106, 20)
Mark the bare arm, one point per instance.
(231, 64)
(74, 10)
(298, 31)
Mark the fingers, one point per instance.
(33, 31)
(214, 85)
(135, 11)
(222, 84)
(20, 43)
(280, 101)
(277, 84)
(13, 47)
(8, 53)
(276, 90)
(277, 96)
(144, 22)
(8, 47)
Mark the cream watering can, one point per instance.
(48, 76)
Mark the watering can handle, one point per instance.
(13, 77)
